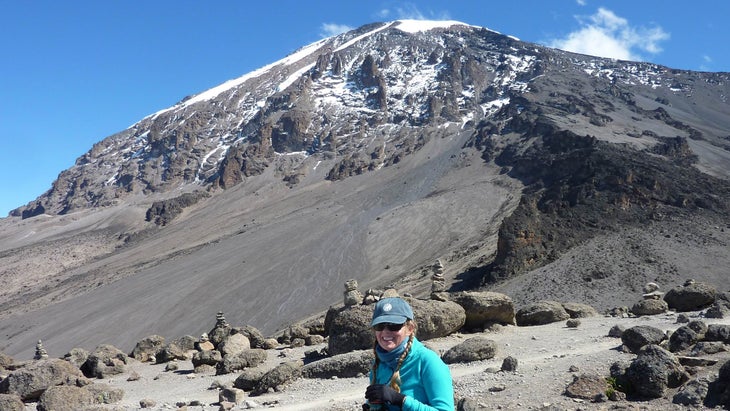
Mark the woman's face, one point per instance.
(389, 338)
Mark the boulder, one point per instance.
(693, 393)
(11, 402)
(473, 349)
(6, 361)
(278, 378)
(348, 365)
(654, 370)
(721, 307)
(65, 398)
(234, 344)
(718, 332)
(616, 331)
(208, 357)
(106, 360)
(638, 336)
(509, 364)
(543, 312)
(105, 394)
(232, 395)
(77, 356)
(649, 307)
(349, 329)
(248, 379)
(437, 318)
(147, 348)
(238, 361)
(682, 338)
(31, 381)
(579, 310)
(692, 296)
(171, 352)
(255, 337)
(485, 308)
(586, 387)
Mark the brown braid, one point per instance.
(395, 378)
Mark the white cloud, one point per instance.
(581, 2)
(410, 11)
(605, 34)
(333, 29)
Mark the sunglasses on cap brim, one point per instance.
(389, 326)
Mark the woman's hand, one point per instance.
(381, 393)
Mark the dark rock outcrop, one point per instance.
(654, 371)
(473, 349)
(638, 336)
(543, 312)
(692, 296)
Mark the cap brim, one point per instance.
(393, 319)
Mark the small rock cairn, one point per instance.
(438, 283)
(40, 352)
(352, 295)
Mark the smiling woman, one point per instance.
(405, 374)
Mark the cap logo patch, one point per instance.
(387, 307)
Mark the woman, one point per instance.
(405, 374)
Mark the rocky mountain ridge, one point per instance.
(370, 155)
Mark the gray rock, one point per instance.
(437, 318)
(248, 379)
(586, 386)
(106, 360)
(649, 307)
(346, 365)
(350, 330)
(255, 337)
(682, 338)
(234, 344)
(543, 312)
(105, 394)
(278, 378)
(572, 323)
(473, 349)
(691, 296)
(208, 357)
(654, 370)
(6, 361)
(692, 393)
(718, 332)
(707, 348)
(616, 331)
(65, 398)
(579, 310)
(233, 395)
(638, 336)
(11, 402)
(170, 352)
(147, 348)
(509, 364)
(244, 359)
(31, 381)
(484, 308)
(77, 356)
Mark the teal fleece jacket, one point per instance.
(425, 381)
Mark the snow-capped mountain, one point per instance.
(368, 155)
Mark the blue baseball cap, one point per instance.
(391, 310)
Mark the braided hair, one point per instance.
(394, 382)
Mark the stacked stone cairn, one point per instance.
(40, 352)
(438, 283)
(352, 295)
(652, 302)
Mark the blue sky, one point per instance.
(74, 72)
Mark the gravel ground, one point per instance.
(548, 355)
